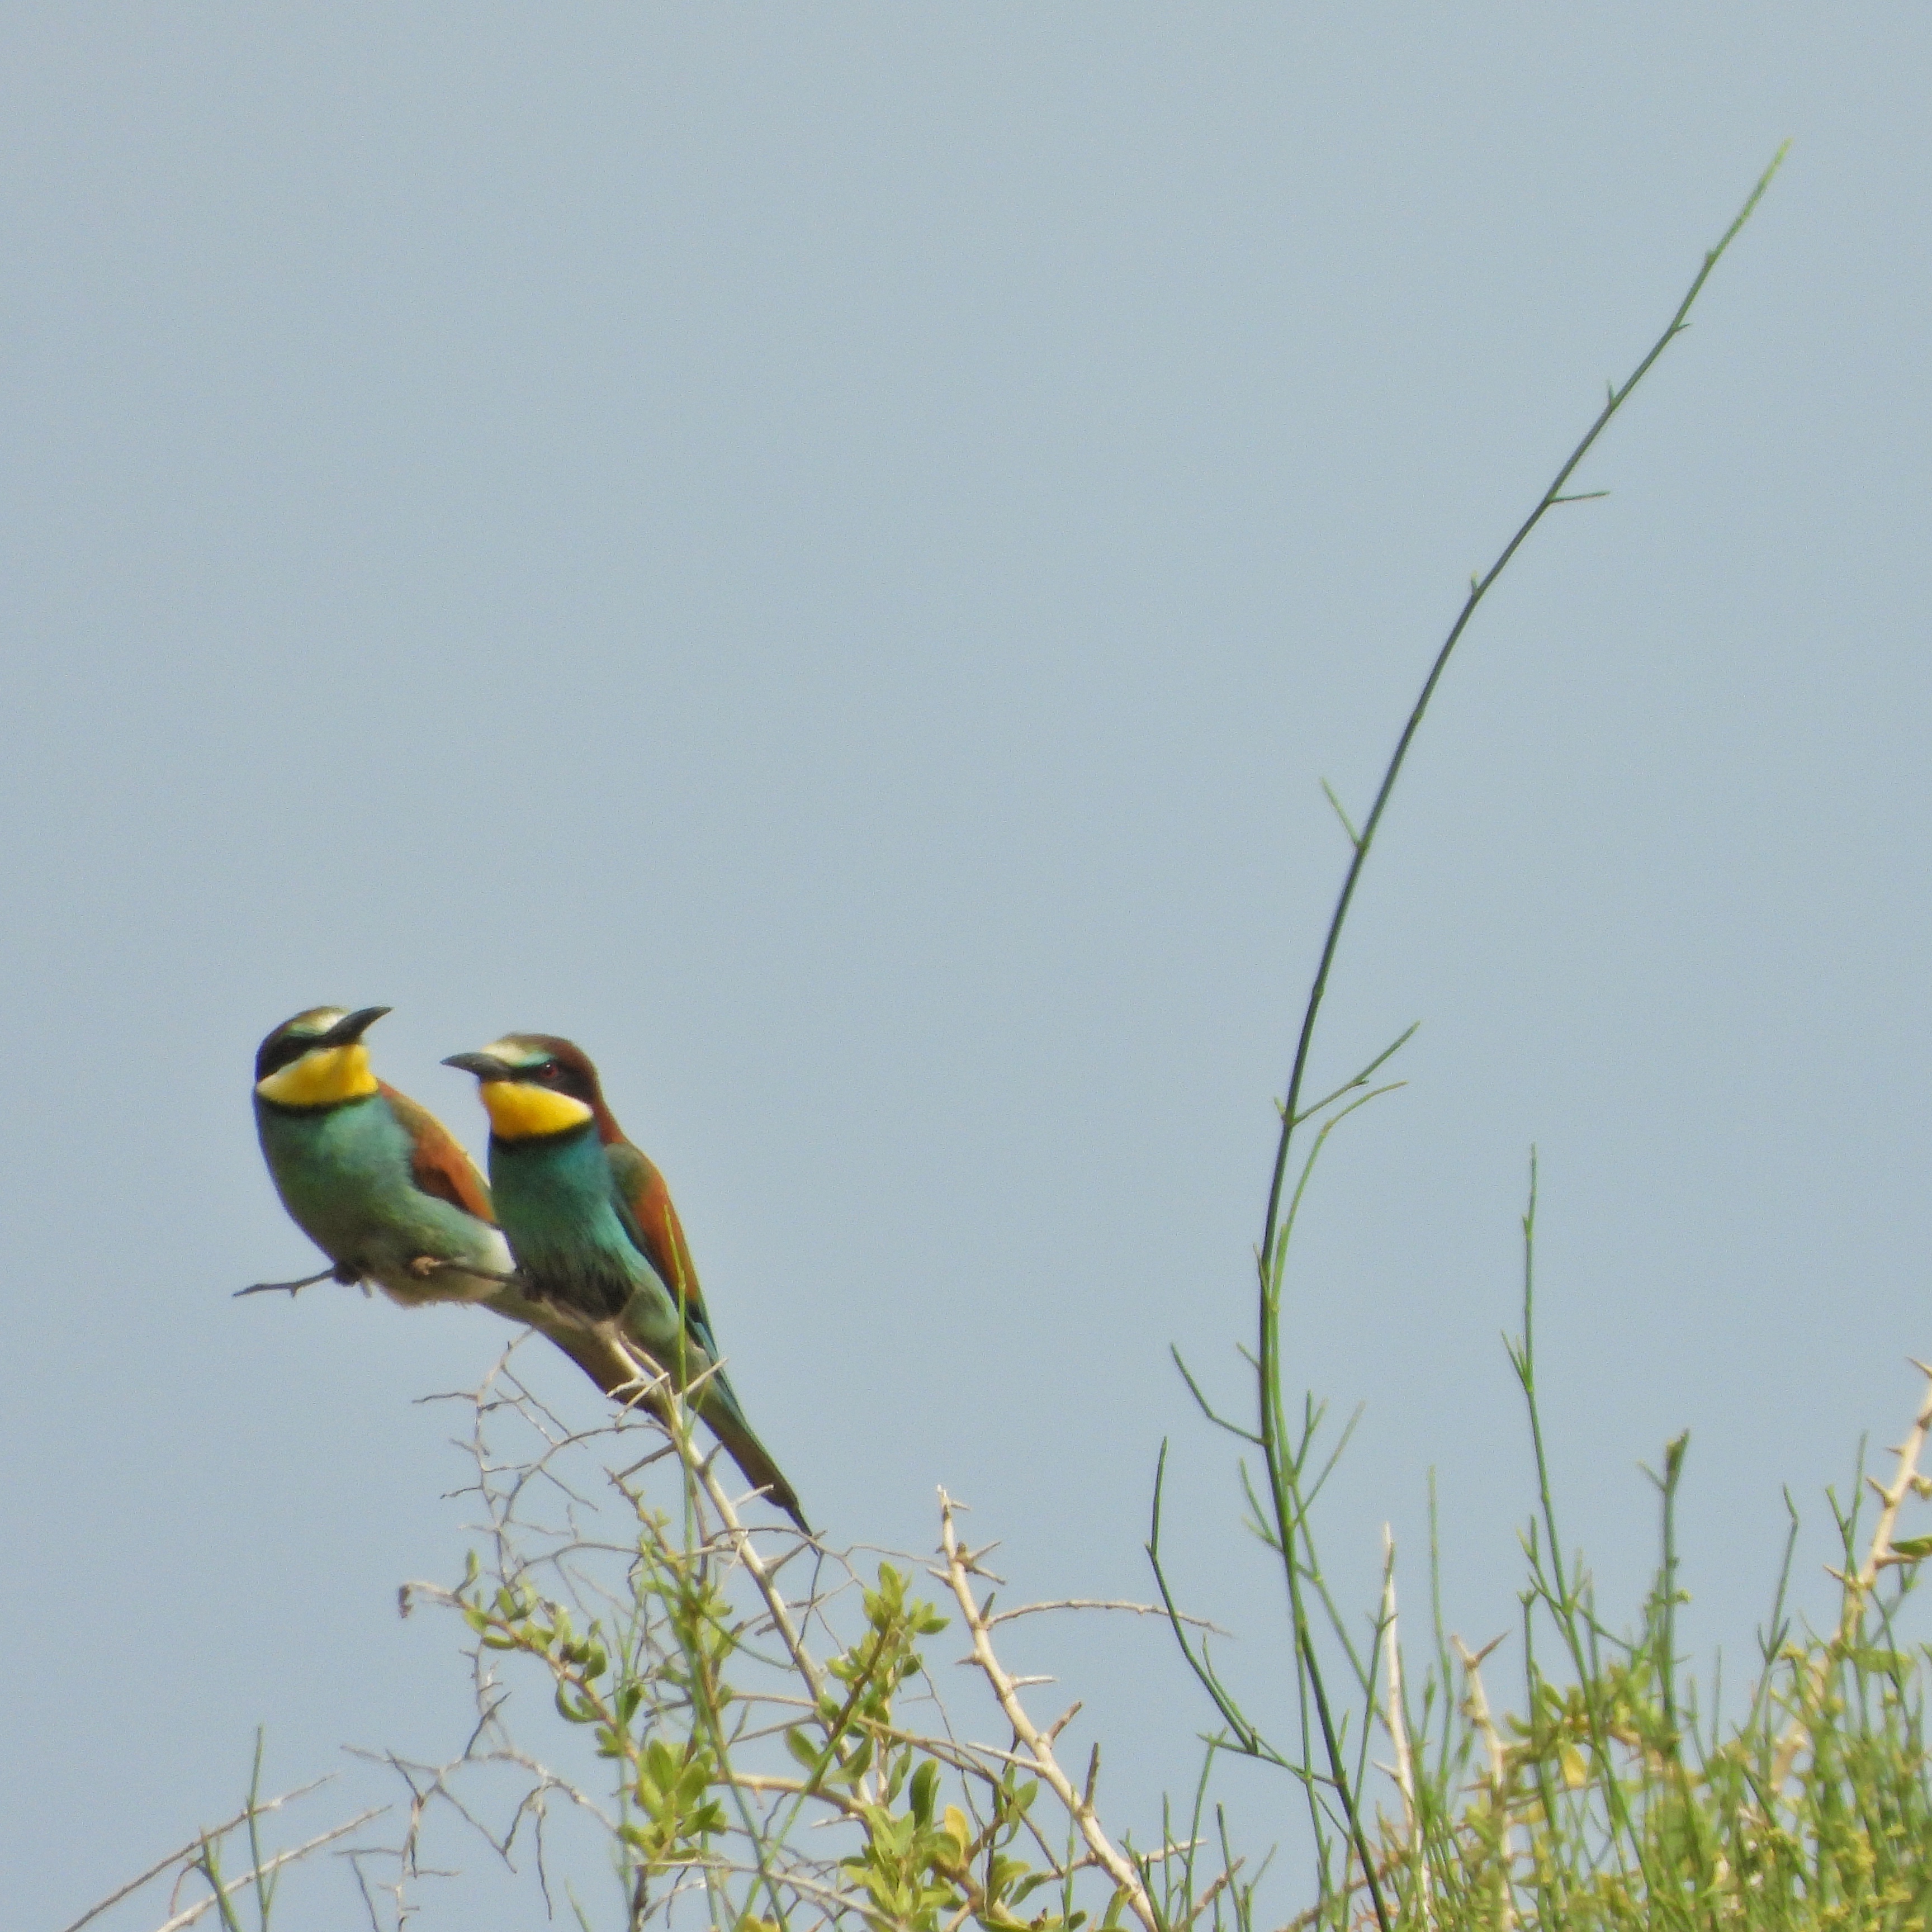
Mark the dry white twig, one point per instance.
(1106, 1603)
(1471, 1662)
(1396, 1718)
(274, 1865)
(1079, 1805)
(193, 1845)
(1905, 1481)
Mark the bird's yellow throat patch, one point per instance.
(518, 1112)
(326, 1077)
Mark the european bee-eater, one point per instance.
(382, 1188)
(591, 1223)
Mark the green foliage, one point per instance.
(1603, 1804)
(781, 1756)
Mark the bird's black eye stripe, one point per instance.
(277, 1054)
(559, 1074)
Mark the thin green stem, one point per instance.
(264, 1886)
(1667, 1662)
(1479, 588)
(1286, 1500)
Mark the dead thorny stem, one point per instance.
(269, 1867)
(1858, 1587)
(213, 1836)
(958, 1574)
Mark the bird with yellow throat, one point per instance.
(590, 1222)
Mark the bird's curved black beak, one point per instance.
(348, 1029)
(484, 1065)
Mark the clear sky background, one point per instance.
(824, 554)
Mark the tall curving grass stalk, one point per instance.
(1600, 1802)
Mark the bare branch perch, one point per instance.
(1079, 1805)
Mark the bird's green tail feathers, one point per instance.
(717, 1406)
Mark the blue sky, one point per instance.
(825, 554)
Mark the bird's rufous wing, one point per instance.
(437, 1163)
(644, 1203)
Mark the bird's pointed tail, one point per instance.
(718, 1407)
(621, 1369)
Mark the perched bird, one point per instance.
(382, 1187)
(591, 1224)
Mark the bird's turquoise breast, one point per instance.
(343, 1174)
(556, 1202)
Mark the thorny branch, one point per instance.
(958, 1574)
